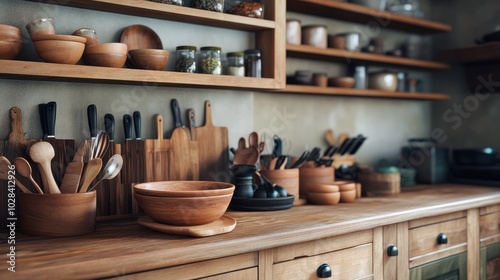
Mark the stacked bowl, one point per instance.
(11, 42)
(105, 55)
(184, 203)
(331, 193)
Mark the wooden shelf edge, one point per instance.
(361, 14)
(302, 89)
(171, 12)
(310, 52)
(32, 70)
(480, 53)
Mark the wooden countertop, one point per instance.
(123, 246)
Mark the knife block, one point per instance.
(339, 160)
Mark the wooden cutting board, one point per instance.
(157, 162)
(213, 147)
(184, 163)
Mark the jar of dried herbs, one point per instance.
(247, 8)
(185, 59)
(235, 65)
(171, 2)
(210, 5)
(210, 62)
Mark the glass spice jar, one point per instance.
(235, 64)
(247, 8)
(210, 5)
(171, 2)
(253, 63)
(185, 59)
(210, 62)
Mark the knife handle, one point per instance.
(192, 123)
(127, 126)
(92, 117)
(176, 111)
(42, 108)
(109, 126)
(137, 124)
(51, 111)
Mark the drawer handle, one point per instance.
(324, 271)
(392, 250)
(442, 239)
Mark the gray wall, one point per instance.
(466, 120)
(300, 119)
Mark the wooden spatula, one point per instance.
(90, 173)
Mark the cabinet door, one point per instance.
(490, 262)
(450, 268)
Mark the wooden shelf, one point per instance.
(309, 52)
(301, 89)
(173, 13)
(480, 53)
(361, 14)
(30, 70)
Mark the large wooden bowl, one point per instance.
(61, 51)
(149, 59)
(10, 49)
(8, 32)
(184, 188)
(184, 211)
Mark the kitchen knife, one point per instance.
(176, 111)
(358, 144)
(50, 112)
(301, 160)
(43, 118)
(127, 126)
(137, 125)
(92, 118)
(192, 123)
(345, 145)
(278, 146)
(329, 150)
(109, 126)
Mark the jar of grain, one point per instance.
(210, 62)
(235, 64)
(247, 8)
(185, 59)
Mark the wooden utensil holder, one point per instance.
(287, 178)
(57, 214)
(314, 175)
(380, 184)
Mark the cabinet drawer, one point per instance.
(351, 263)
(246, 274)
(428, 239)
(489, 225)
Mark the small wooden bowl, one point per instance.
(184, 188)
(149, 59)
(322, 198)
(107, 55)
(312, 175)
(322, 188)
(184, 211)
(345, 185)
(10, 49)
(57, 214)
(344, 82)
(55, 51)
(347, 196)
(8, 32)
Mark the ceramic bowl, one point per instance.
(344, 82)
(149, 59)
(107, 55)
(348, 196)
(322, 198)
(184, 188)
(383, 81)
(89, 34)
(184, 211)
(8, 33)
(10, 49)
(42, 26)
(58, 51)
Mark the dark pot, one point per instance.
(485, 156)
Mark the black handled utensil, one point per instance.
(50, 112)
(357, 146)
(127, 126)
(42, 108)
(345, 145)
(301, 160)
(109, 126)
(137, 125)
(176, 111)
(278, 146)
(92, 118)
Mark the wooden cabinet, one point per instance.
(372, 17)
(268, 37)
(489, 233)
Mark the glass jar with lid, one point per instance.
(253, 63)
(235, 64)
(210, 5)
(171, 2)
(185, 59)
(210, 62)
(247, 8)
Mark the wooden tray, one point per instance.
(222, 225)
(261, 204)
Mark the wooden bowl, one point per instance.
(184, 188)
(348, 196)
(184, 211)
(322, 198)
(8, 32)
(56, 37)
(345, 185)
(287, 178)
(107, 55)
(56, 51)
(344, 82)
(10, 49)
(140, 37)
(312, 175)
(149, 59)
(322, 188)
(57, 214)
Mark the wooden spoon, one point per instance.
(330, 137)
(5, 167)
(24, 168)
(43, 153)
(253, 140)
(91, 171)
